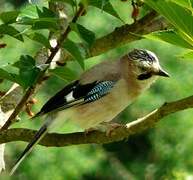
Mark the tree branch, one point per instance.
(97, 137)
(127, 33)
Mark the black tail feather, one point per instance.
(38, 136)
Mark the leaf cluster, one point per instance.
(35, 23)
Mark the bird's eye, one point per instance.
(142, 68)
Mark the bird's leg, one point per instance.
(89, 130)
(110, 127)
(103, 127)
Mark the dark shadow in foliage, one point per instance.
(17, 3)
(136, 147)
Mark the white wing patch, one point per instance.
(69, 97)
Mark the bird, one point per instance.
(100, 94)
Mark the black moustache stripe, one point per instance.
(144, 76)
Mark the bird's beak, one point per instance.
(161, 72)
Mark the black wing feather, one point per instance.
(59, 99)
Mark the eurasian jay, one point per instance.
(100, 93)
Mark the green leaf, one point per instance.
(47, 19)
(104, 5)
(28, 72)
(184, 3)
(85, 34)
(64, 73)
(29, 11)
(39, 18)
(178, 16)
(11, 31)
(71, 2)
(75, 51)
(9, 17)
(46, 23)
(169, 36)
(40, 23)
(9, 76)
(40, 38)
(187, 55)
(26, 21)
(45, 12)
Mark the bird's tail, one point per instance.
(37, 137)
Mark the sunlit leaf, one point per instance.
(178, 16)
(171, 37)
(74, 50)
(26, 21)
(64, 73)
(40, 18)
(40, 23)
(29, 11)
(184, 3)
(86, 35)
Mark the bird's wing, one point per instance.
(77, 94)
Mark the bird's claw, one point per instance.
(89, 130)
(111, 127)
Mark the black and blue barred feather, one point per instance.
(81, 94)
(98, 91)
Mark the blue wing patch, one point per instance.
(99, 90)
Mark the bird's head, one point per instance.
(145, 64)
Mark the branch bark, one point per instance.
(128, 33)
(97, 137)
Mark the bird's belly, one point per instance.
(102, 110)
(91, 117)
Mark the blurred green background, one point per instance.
(164, 152)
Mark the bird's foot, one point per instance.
(104, 127)
(111, 127)
(89, 130)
